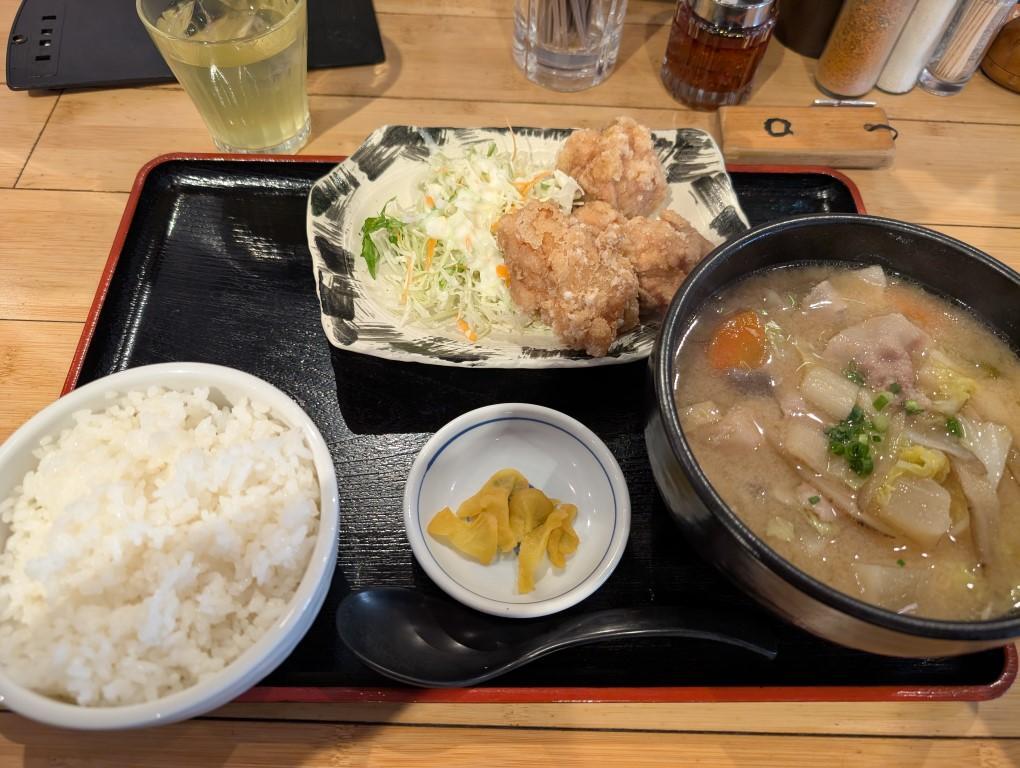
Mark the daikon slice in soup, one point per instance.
(866, 430)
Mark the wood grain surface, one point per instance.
(22, 118)
(85, 123)
(67, 159)
(833, 136)
(339, 745)
(990, 719)
(8, 8)
(74, 231)
(33, 361)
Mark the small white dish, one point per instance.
(558, 455)
(261, 658)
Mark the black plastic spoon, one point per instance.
(421, 640)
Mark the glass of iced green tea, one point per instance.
(243, 63)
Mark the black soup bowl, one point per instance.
(941, 264)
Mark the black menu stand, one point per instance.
(95, 43)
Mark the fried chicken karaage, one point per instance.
(572, 275)
(599, 215)
(662, 251)
(616, 165)
(589, 272)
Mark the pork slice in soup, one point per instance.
(867, 430)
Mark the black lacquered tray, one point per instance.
(211, 265)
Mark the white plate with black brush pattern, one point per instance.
(391, 162)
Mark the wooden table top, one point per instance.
(66, 163)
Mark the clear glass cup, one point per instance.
(567, 45)
(243, 62)
(963, 45)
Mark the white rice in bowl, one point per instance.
(154, 543)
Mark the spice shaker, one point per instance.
(958, 54)
(714, 48)
(917, 42)
(1002, 62)
(804, 25)
(859, 46)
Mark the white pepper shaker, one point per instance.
(916, 44)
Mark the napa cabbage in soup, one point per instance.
(867, 431)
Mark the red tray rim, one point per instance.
(507, 695)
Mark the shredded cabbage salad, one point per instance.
(437, 257)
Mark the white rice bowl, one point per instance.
(165, 546)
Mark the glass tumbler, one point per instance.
(567, 45)
(242, 62)
(963, 45)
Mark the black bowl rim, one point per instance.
(1003, 628)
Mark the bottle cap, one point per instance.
(732, 13)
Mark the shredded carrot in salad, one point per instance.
(430, 252)
(524, 187)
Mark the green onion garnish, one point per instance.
(895, 388)
(954, 427)
(812, 500)
(912, 407)
(880, 402)
(852, 438)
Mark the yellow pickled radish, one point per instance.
(533, 547)
(510, 479)
(528, 509)
(492, 500)
(475, 538)
(505, 513)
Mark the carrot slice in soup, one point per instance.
(908, 304)
(739, 342)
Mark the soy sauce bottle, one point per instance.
(714, 49)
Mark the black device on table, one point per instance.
(89, 43)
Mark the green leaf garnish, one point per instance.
(372, 224)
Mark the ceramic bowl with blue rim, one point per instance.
(558, 455)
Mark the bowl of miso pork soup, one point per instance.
(838, 430)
